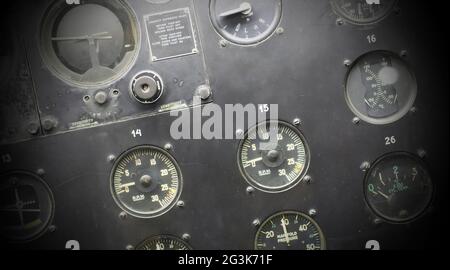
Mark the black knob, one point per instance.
(147, 87)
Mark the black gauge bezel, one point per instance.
(292, 212)
(342, 14)
(241, 42)
(420, 163)
(160, 212)
(252, 182)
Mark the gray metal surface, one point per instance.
(301, 69)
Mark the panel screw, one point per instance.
(168, 147)
(340, 21)
(256, 222)
(204, 91)
(239, 133)
(356, 120)
(307, 179)
(377, 221)
(186, 237)
(347, 63)
(312, 212)
(129, 247)
(413, 110)
(52, 228)
(111, 158)
(40, 172)
(123, 215)
(49, 124)
(365, 166)
(223, 43)
(250, 190)
(33, 128)
(422, 153)
(180, 204)
(404, 53)
(297, 121)
(280, 30)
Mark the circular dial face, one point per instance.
(245, 22)
(163, 242)
(273, 156)
(398, 188)
(91, 44)
(363, 11)
(289, 231)
(380, 88)
(146, 182)
(26, 206)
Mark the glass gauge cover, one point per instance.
(273, 165)
(26, 206)
(363, 12)
(245, 22)
(163, 242)
(380, 88)
(289, 230)
(398, 187)
(146, 182)
(92, 44)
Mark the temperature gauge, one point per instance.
(398, 188)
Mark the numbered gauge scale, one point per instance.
(363, 12)
(289, 230)
(146, 182)
(245, 22)
(273, 157)
(163, 242)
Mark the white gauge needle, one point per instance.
(251, 162)
(245, 8)
(285, 231)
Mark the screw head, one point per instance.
(40, 172)
(356, 120)
(347, 62)
(250, 190)
(123, 215)
(52, 228)
(297, 121)
(239, 134)
(312, 212)
(204, 91)
(129, 247)
(403, 53)
(365, 166)
(186, 237)
(111, 158)
(101, 97)
(33, 128)
(223, 43)
(256, 222)
(340, 21)
(422, 153)
(168, 146)
(307, 179)
(280, 30)
(181, 204)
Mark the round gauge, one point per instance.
(146, 182)
(163, 242)
(92, 44)
(363, 12)
(289, 231)
(273, 157)
(380, 88)
(245, 22)
(26, 206)
(398, 188)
